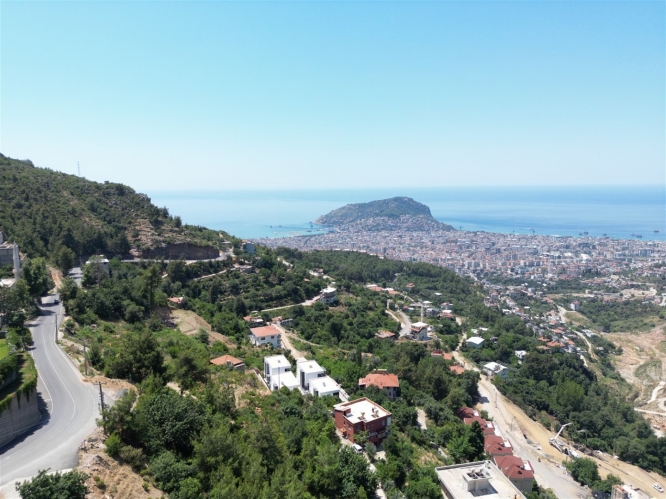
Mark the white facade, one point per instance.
(495, 369)
(277, 370)
(475, 342)
(329, 295)
(285, 379)
(267, 335)
(307, 370)
(324, 386)
(100, 262)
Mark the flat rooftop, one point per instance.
(276, 361)
(324, 384)
(309, 366)
(362, 407)
(454, 479)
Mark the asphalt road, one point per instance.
(73, 407)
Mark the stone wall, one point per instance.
(21, 415)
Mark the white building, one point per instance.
(329, 295)
(475, 342)
(520, 354)
(419, 331)
(307, 370)
(277, 372)
(478, 479)
(324, 386)
(495, 369)
(267, 335)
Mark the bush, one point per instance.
(99, 482)
(132, 456)
(113, 445)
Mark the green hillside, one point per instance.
(45, 211)
(388, 208)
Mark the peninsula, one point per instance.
(403, 211)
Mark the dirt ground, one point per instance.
(189, 323)
(119, 481)
(638, 349)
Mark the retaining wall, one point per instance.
(21, 415)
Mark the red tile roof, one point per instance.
(260, 332)
(380, 380)
(226, 359)
(514, 468)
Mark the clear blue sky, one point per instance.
(226, 95)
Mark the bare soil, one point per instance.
(118, 480)
(189, 323)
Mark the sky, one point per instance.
(171, 95)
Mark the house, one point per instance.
(228, 360)
(575, 306)
(324, 386)
(177, 300)
(441, 353)
(9, 255)
(307, 370)
(475, 342)
(385, 335)
(488, 427)
(419, 331)
(457, 369)
(383, 380)
(101, 262)
(520, 354)
(496, 446)
(266, 335)
(518, 471)
(473, 480)
(495, 369)
(329, 295)
(277, 373)
(467, 412)
(362, 415)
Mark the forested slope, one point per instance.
(47, 212)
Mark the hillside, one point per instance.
(45, 211)
(397, 208)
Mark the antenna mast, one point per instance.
(78, 168)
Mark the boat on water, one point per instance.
(604, 234)
(656, 231)
(639, 236)
(586, 233)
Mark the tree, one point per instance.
(152, 277)
(36, 275)
(138, 357)
(584, 470)
(65, 259)
(70, 485)
(466, 443)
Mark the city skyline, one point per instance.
(180, 95)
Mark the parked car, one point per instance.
(658, 487)
(358, 449)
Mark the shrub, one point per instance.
(99, 482)
(113, 445)
(132, 456)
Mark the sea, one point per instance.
(617, 212)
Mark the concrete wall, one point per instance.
(22, 414)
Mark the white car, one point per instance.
(358, 449)
(658, 487)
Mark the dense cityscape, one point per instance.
(487, 253)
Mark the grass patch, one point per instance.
(649, 372)
(4, 349)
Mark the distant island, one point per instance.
(402, 210)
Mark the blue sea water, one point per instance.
(617, 212)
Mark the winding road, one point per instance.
(72, 406)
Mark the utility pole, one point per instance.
(85, 360)
(101, 398)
